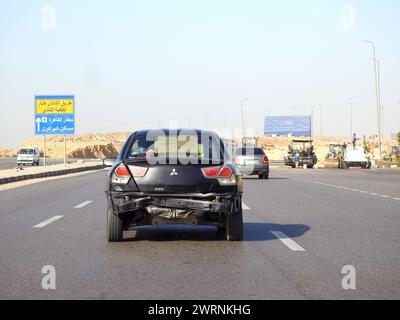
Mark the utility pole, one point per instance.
(378, 65)
(320, 118)
(382, 120)
(241, 109)
(65, 150)
(44, 150)
(377, 94)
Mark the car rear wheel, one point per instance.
(234, 226)
(264, 176)
(114, 225)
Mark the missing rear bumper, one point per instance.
(201, 203)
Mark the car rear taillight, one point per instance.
(121, 175)
(265, 160)
(122, 171)
(211, 172)
(225, 172)
(138, 172)
(224, 175)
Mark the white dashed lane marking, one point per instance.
(281, 236)
(384, 196)
(83, 204)
(288, 241)
(46, 222)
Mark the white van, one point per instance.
(29, 155)
(354, 158)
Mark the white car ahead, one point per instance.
(28, 155)
(354, 158)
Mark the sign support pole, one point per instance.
(44, 150)
(65, 150)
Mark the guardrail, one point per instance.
(49, 174)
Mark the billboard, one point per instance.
(296, 126)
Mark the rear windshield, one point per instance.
(249, 151)
(184, 147)
(26, 151)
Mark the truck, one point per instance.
(301, 152)
(353, 157)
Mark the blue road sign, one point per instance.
(54, 115)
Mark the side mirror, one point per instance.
(109, 162)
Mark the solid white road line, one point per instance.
(398, 199)
(46, 222)
(287, 241)
(245, 206)
(81, 205)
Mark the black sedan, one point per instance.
(175, 176)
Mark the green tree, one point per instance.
(398, 137)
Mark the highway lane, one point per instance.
(10, 163)
(333, 226)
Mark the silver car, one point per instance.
(252, 161)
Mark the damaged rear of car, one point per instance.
(174, 177)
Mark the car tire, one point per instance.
(234, 225)
(260, 176)
(114, 225)
(265, 176)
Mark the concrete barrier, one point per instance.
(49, 174)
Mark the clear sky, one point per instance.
(135, 64)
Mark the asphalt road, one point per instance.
(10, 163)
(326, 219)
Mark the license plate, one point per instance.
(251, 162)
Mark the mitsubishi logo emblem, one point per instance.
(174, 172)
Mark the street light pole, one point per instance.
(241, 109)
(377, 94)
(206, 121)
(312, 121)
